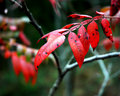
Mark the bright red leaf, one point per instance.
(84, 38)
(55, 31)
(7, 54)
(106, 28)
(79, 16)
(92, 30)
(69, 25)
(77, 48)
(54, 41)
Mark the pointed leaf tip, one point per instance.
(77, 48)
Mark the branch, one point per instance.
(69, 67)
(24, 7)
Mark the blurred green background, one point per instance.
(79, 82)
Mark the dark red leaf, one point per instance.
(106, 28)
(77, 48)
(79, 16)
(84, 38)
(113, 7)
(92, 30)
(116, 42)
(54, 41)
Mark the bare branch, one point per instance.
(69, 67)
(24, 7)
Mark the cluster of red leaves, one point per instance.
(108, 44)
(79, 43)
(20, 65)
(113, 11)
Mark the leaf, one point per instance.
(24, 68)
(54, 41)
(100, 13)
(55, 31)
(107, 44)
(113, 7)
(24, 38)
(116, 42)
(77, 48)
(106, 28)
(7, 54)
(92, 30)
(16, 63)
(70, 25)
(32, 72)
(84, 38)
(79, 16)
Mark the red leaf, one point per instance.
(100, 13)
(24, 68)
(107, 44)
(116, 42)
(79, 16)
(92, 30)
(7, 54)
(113, 7)
(32, 72)
(77, 48)
(106, 29)
(84, 38)
(70, 25)
(54, 41)
(24, 38)
(16, 63)
(55, 31)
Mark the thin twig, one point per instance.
(24, 7)
(69, 67)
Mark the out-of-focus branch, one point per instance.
(69, 67)
(24, 7)
(104, 71)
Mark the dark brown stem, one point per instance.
(24, 7)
